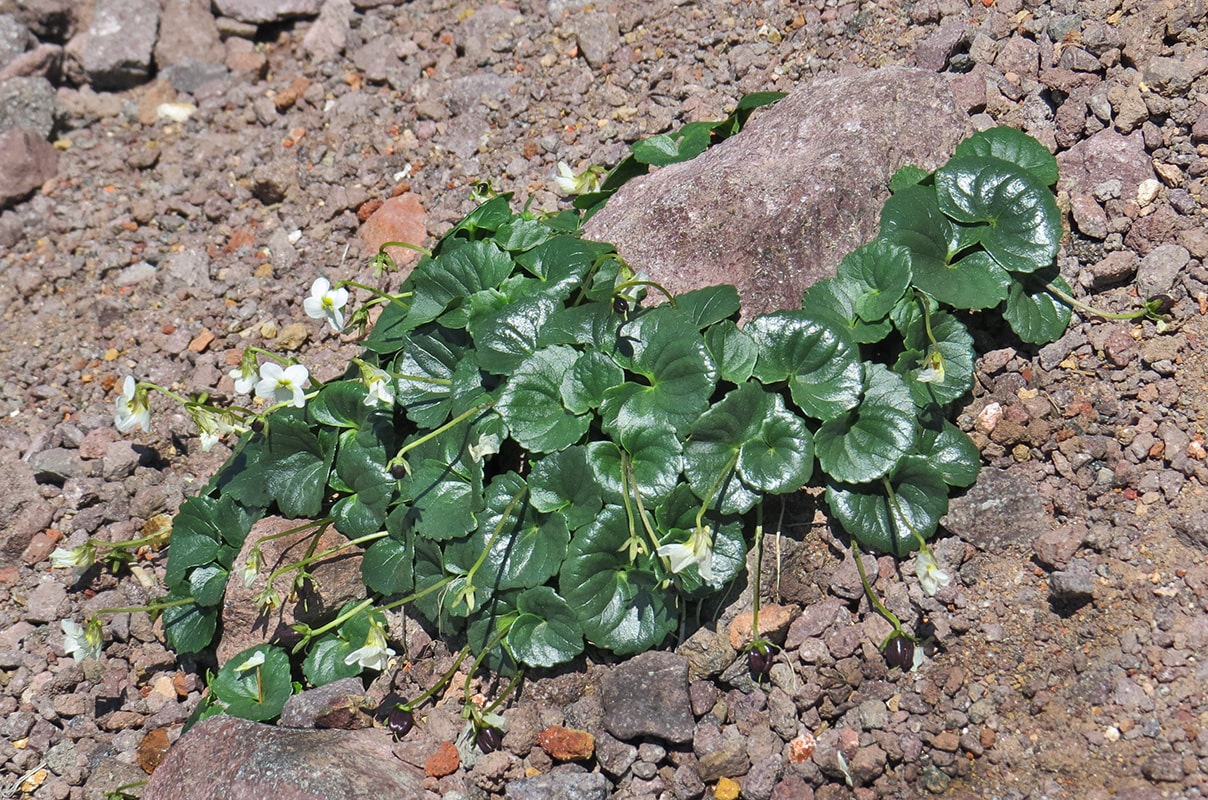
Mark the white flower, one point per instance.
(585, 182)
(82, 642)
(934, 371)
(250, 569)
(375, 654)
(212, 425)
(282, 385)
(77, 559)
(256, 659)
(929, 572)
(244, 376)
(379, 382)
(132, 409)
(326, 303)
(697, 550)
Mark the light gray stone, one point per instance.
(1000, 510)
(1159, 270)
(648, 696)
(116, 51)
(187, 33)
(259, 12)
(776, 207)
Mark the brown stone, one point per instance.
(566, 744)
(399, 219)
(774, 621)
(26, 162)
(775, 208)
(445, 761)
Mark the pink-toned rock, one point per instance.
(26, 162)
(775, 208)
(261, 11)
(399, 219)
(1105, 156)
(236, 759)
(335, 580)
(774, 621)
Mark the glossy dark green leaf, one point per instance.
(593, 325)
(619, 603)
(820, 363)
(482, 221)
(669, 353)
(197, 534)
(1036, 316)
(949, 451)
(955, 347)
(867, 442)
(386, 566)
(425, 368)
(670, 148)
(834, 300)
(732, 350)
(714, 446)
(1015, 146)
(441, 500)
(189, 628)
(883, 524)
(880, 273)
(505, 338)
(906, 177)
(564, 483)
(655, 458)
(531, 402)
(780, 457)
(324, 662)
(912, 218)
(562, 263)
(709, 305)
(208, 583)
(340, 404)
(585, 384)
(1024, 225)
(297, 472)
(973, 282)
(457, 273)
(547, 631)
(606, 464)
(519, 234)
(258, 692)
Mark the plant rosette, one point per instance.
(541, 451)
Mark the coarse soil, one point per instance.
(1071, 645)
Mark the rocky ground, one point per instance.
(198, 179)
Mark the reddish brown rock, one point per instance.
(566, 744)
(26, 162)
(774, 621)
(445, 761)
(399, 219)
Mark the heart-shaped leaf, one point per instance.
(189, 628)
(585, 384)
(459, 271)
(255, 683)
(562, 263)
(386, 566)
(547, 631)
(732, 350)
(947, 449)
(880, 272)
(324, 663)
(1036, 316)
(564, 483)
(425, 368)
(340, 404)
(710, 305)
(835, 300)
(1015, 146)
(975, 281)
(867, 442)
(1024, 225)
(531, 402)
(886, 524)
(297, 467)
(208, 584)
(505, 338)
(820, 363)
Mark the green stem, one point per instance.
(630, 284)
(166, 392)
(503, 518)
(1078, 305)
(876, 603)
(715, 488)
(312, 557)
(757, 548)
(397, 299)
(453, 423)
(184, 601)
(442, 682)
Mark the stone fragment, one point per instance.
(933, 52)
(1160, 268)
(708, 652)
(562, 783)
(774, 621)
(187, 33)
(566, 744)
(258, 12)
(46, 603)
(236, 759)
(1088, 216)
(648, 696)
(1192, 529)
(336, 580)
(340, 704)
(15, 38)
(1055, 548)
(22, 507)
(1003, 508)
(328, 35)
(1072, 586)
(776, 207)
(41, 62)
(614, 756)
(445, 761)
(1168, 77)
(762, 778)
(1128, 105)
(1106, 156)
(399, 219)
(57, 465)
(28, 103)
(598, 36)
(26, 162)
(1115, 267)
(116, 51)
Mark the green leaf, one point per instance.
(975, 281)
(426, 366)
(655, 458)
(1024, 223)
(531, 402)
(604, 458)
(459, 271)
(547, 631)
(324, 663)
(564, 483)
(732, 350)
(360, 463)
(386, 566)
(906, 177)
(948, 450)
(592, 324)
(200, 528)
(619, 603)
(256, 693)
(241, 478)
(504, 339)
(880, 272)
(482, 221)
(867, 442)
(520, 234)
(677, 517)
(668, 351)
(442, 498)
(208, 584)
(340, 404)
(670, 148)
(1036, 316)
(585, 384)
(297, 467)
(867, 512)
(834, 300)
(780, 457)
(956, 351)
(562, 263)
(1014, 146)
(912, 218)
(710, 305)
(820, 363)
(189, 628)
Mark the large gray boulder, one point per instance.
(775, 208)
(234, 759)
